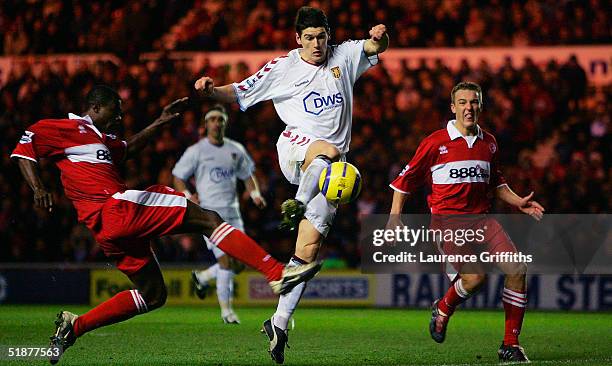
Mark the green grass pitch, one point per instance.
(196, 335)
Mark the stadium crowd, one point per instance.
(59, 26)
(553, 131)
(130, 27)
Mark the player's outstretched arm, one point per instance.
(525, 204)
(378, 42)
(205, 86)
(170, 112)
(42, 197)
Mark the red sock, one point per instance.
(514, 306)
(118, 308)
(455, 296)
(240, 246)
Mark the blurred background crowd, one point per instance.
(552, 126)
(130, 27)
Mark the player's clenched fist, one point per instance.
(377, 32)
(205, 85)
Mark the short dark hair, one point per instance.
(310, 17)
(101, 95)
(467, 85)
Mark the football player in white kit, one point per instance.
(216, 162)
(312, 91)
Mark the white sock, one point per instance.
(208, 274)
(309, 181)
(225, 289)
(287, 303)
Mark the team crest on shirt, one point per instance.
(493, 148)
(336, 72)
(82, 129)
(443, 150)
(234, 156)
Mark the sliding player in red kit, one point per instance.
(122, 220)
(459, 164)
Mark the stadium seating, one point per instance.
(553, 127)
(128, 28)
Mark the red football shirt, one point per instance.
(85, 157)
(461, 171)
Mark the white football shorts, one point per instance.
(292, 146)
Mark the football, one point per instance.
(340, 182)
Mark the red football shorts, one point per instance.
(489, 236)
(130, 219)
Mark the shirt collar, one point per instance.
(454, 133)
(85, 118)
(215, 145)
(88, 122)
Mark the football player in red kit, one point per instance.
(123, 220)
(459, 165)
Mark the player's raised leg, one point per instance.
(149, 294)
(240, 246)
(442, 309)
(314, 218)
(318, 156)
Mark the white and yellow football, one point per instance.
(340, 182)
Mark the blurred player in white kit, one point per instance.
(216, 162)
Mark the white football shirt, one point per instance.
(215, 169)
(315, 99)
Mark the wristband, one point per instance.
(255, 195)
